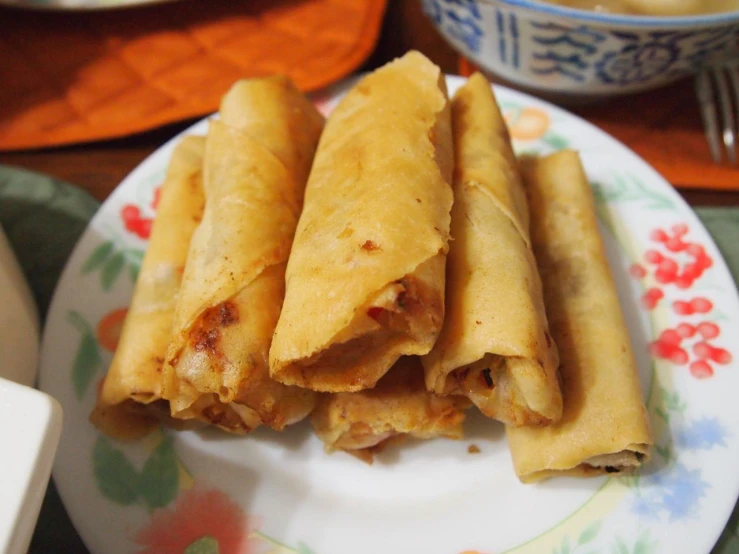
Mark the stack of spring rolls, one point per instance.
(383, 274)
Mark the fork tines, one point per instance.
(720, 83)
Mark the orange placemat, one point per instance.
(664, 127)
(82, 76)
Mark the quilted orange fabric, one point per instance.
(82, 76)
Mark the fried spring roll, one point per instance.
(257, 160)
(365, 280)
(130, 400)
(361, 423)
(604, 427)
(495, 347)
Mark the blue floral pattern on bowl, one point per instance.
(635, 63)
(461, 19)
(537, 50)
(563, 51)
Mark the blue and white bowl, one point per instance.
(552, 49)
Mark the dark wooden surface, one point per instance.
(99, 167)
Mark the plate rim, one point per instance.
(331, 92)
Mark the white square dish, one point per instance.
(30, 421)
(30, 426)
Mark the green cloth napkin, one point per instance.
(43, 218)
(723, 224)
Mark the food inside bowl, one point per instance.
(652, 7)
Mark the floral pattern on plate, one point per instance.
(268, 491)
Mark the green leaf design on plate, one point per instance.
(158, 484)
(135, 256)
(111, 270)
(555, 141)
(118, 480)
(663, 451)
(632, 189)
(87, 360)
(589, 533)
(98, 256)
(204, 545)
(673, 402)
(604, 216)
(565, 546)
(79, 322)
(133, 271)
(303, 548)
(717, 315)
(643, 545)
(620, 547)
(116, 477)
(278, 547)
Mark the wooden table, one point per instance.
(99, 167)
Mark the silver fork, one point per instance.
(720, 82)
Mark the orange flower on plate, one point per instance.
(528, 123)
(471, 552)
(203, 522)
(109, 329)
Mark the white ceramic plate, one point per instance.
(206, 492)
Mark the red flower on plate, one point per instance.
(134, 222)
(698, 305)
(199, 521)
(674, 261)
(157, 195)
(651, 298)
(701, 354)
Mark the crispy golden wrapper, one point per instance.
(365, 280)
(257, 160)
(130, 400)
(495, 347)
(363, 422)
(604, 427)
